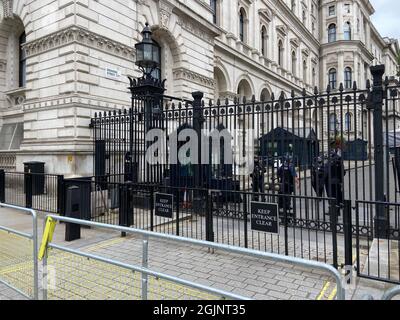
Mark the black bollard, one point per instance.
(72, 210)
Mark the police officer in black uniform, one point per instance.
(318, 176)
(287, 177)
(258, 179)
(335, 173)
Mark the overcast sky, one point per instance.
(386, 17)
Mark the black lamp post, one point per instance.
(147, 94)
(147, 53)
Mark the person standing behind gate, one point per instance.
(258, 179)
(318, 176)
(287, 177)
(335, 174)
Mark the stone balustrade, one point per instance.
(8, 160)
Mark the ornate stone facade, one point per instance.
(80, 53)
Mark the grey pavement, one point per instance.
(9, 294)
(251, 277)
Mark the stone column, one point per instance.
(323, 76)
(340, 70)
(356, 70)
(273, 43)
(340, 21)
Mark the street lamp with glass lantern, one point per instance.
(147, 53)
(147, 93)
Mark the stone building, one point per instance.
(62, 60)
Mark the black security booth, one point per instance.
(356, 150)
(300, 143)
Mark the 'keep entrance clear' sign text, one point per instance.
(163, 205)
(265, 217)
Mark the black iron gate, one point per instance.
(378, 254)
(304, 146)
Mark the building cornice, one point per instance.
(191, 18)
(75, 34)
(192, 76)
(345, 45)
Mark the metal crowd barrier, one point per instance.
(146, 272)
(389, 295)
(15, 264)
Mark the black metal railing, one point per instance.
(378, 254)
(314, 130)
(308, 226)
(31, 190)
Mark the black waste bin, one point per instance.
(36, 169)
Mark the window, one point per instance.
(347, 8)
(304, 17)
(348, 122)
(333, 123)
(213, 4)
(348, 78)
(332, 33)
(22, 61)
(242, 22)
(314, 77)
(332, 78)
(294, 63)
(11, 136)
(347, 31)
(293, 5)
(305, 70)
(264, 41)
(280, 53)
(332, 10)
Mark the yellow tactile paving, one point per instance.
(79, 278)
(16, 261)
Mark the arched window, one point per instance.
(347, 31)
(294, 63)
(347, 121)
(333, 122)
(348, 77)
(242, 25)
(265, 95)
(280, 53)
(264, 38)
(332, 78)
(293, 5)
(305, 70)
(244, 89)
(314, 77)
(332, 33)
(304, 17)
(22, 61)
